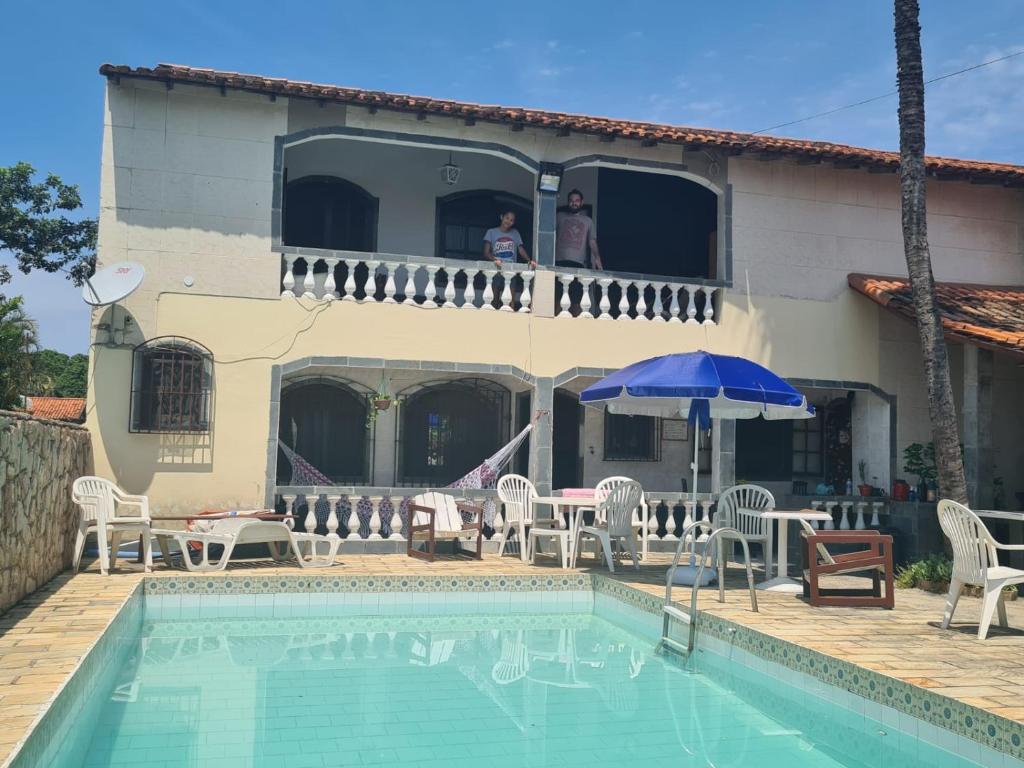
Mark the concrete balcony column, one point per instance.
(541, 438)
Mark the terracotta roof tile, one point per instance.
(696, 138)
(985, 315)
(59, 408)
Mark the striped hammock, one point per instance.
(482, 476)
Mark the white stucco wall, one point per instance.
(799, 230)
(186, 188)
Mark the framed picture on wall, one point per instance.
(675, 430)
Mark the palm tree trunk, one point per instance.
(941, 409)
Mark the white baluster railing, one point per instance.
(288, 281)
(406, 280)
(664, 304)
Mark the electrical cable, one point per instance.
(888, 95)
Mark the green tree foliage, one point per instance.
(34, 229)
(17, 342)
(58, 375)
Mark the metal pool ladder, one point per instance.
(670, 612)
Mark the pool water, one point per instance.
(566, 689)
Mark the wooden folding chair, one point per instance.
(437, 515)
(818, 561)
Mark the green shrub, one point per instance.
(936, 568)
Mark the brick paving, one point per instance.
(43, 638)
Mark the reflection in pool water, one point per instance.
(517, 690)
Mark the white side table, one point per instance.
(782, 582)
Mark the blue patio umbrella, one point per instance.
(699, 386)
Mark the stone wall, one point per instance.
(39, 460)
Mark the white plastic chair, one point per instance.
(517, 494)
(602, 490)
(616, 512)
(975, 562)
(751, 524)
(100, 501)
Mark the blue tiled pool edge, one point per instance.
(956, 726)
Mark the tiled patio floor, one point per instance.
(43, 637)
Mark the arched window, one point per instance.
(324, 421)
(172, 382)
(464, 217)
(329, 212)
(448, 428)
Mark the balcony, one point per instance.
(369, 219)
(457, 284)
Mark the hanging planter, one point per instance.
(380, 401)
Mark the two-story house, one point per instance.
(306, 246)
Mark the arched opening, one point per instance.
(566, 462)
(646, 221)
(324, 421)
(448, 428)
(464, 217)
(329, 212)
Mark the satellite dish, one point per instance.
(113, 283)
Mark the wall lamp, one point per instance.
(550, 178)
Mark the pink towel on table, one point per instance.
(579, 493)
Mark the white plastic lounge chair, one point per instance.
(435, 516)
(616, 512)
(751, 524)
(975, 562)
(602, 490)
(101, 502)
(230, 532)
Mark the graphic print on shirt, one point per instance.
(504, 248)
(573, 233)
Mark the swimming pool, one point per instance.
(561, 678)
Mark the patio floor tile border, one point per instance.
(47, 734)
(990, 730)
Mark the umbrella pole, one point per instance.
(695, 465)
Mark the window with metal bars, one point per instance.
(631, 438)
(171, 386)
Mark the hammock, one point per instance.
(303, 473)
(483, 476)
(486, 475)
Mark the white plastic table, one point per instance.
(782, 582)
(572, 504)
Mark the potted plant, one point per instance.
(919, 460)
(862, 470)
(380, 400)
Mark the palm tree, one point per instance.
(941, 409)
(17, 342)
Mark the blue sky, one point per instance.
(737, 65)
